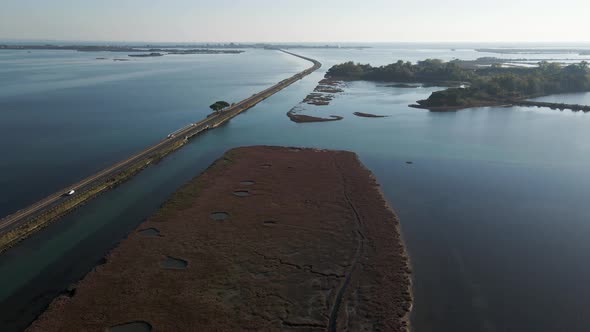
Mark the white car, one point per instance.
(70, 193)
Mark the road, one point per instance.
(20, 217)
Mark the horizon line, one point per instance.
(293, 42)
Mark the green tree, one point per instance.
(219, 105)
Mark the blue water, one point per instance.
(65, 115)
(493, 208)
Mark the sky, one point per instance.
(296, 20)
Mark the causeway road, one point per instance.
(54, 200)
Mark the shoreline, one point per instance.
(294, 253)
(408, 316)
(512, 103)
(462, 107)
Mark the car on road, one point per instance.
(70, 193)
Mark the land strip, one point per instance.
(580, 51)
(142, 48)
(553, 106)
(268, 238)
(302, 118)
(508, 103)
(23, 223)
(111, 48)
(369, 115)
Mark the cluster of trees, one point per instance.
(497, 84)
(546, 78)
(219, 105)
(489, 84)
(427, 71)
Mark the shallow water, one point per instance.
(173, 263)
(219, 216)
(493, 207)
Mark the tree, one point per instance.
(219, 105)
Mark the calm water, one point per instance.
(493, 208)
(65, 115)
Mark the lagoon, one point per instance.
(493, 206)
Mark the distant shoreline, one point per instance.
(177, 49)
(580, 51)
(127, 49)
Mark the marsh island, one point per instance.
(266, 239)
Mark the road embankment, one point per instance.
(23, 223)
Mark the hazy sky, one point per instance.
(296, 20)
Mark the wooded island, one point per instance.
(486, 86)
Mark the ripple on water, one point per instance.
(247, 183)
(137, 326)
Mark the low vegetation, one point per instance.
(427, 71)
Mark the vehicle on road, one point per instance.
(70, 193)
